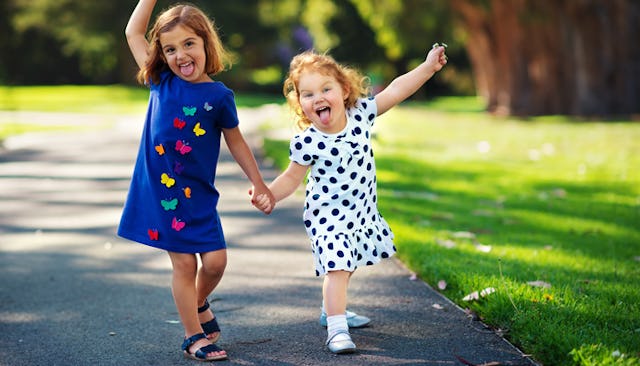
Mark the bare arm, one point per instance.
(242, 154)
(407, 84)
(137, 28)
(288, 181)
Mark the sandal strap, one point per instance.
(202, 352)
(191, 340)
(204, 307)
(211, 326)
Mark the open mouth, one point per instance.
(187, 69)
(324, 113)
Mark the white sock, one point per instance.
(336, 323)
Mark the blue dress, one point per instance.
(172, 198)
(341, 212)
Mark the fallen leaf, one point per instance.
(539, 283)
(472, 296)
(437, 306)
(487, 291)
(413, 277)
(442, 284)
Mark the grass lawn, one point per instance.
(102, 100)
(546, 212)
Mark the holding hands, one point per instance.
(263, 201)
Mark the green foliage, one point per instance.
(481, 202)
(113, 99)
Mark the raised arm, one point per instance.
(407, 84)
(137, 28)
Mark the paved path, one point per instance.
(73, 293)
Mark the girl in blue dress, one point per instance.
(341, 217)
(171, 204)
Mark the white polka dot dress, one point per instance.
(341, 214)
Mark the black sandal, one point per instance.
(201, 353)
(211, 326)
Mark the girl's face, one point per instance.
(184, 52)
(322, 100)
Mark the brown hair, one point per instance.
(351, 80)
(190, 17)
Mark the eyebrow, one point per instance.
(183, 41)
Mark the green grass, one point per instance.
(482, 202)
(113, 99)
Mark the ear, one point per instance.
(347, 92)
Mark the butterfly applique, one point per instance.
(207, 106)
(153, 234)
(183, 147)
(160, 149)
(167, 180)
(169, 205)
(187, 192)
(199, 131)
(177, 225)
(178, 168)
(178, 123)
(189, 111)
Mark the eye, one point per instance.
(189, 44)
(169, 50)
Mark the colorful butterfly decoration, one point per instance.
(160, 149)
(153, 234)
(178, 168)
(178, 123)
(169, 205)
(182, 147)
(187, 192)
(177, 225)
(199, 131)
(207, 106)
(167, 180)
(189, 111)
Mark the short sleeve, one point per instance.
(300, 150)
(369, 109)
(227, 112)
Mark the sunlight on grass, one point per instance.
(496, 202)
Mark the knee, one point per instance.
(214, 266)
(184, 265)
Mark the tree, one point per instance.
(533, 57)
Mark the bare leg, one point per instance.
(334, 292)
(209, 276)
(183, 287)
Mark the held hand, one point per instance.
(437, 57)
(264, 201)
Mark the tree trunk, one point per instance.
(539, 57)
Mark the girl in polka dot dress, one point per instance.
(172, 199)
(341, 217)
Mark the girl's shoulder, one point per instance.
(365, 110)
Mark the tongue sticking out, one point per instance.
(187, 69)
(324, 115)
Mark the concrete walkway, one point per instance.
(73, 293)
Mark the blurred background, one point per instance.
(522, 57)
